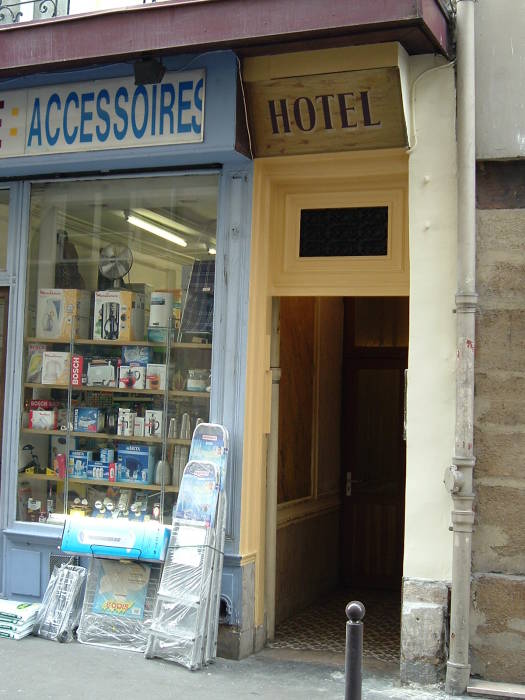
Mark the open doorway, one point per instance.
(341, 470)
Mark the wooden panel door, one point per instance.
(373, 466)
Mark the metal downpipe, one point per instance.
(458, 477)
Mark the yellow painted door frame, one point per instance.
(282, 187)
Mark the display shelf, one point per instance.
(106, 436)
(98, 389)
(189, 394)
(101, 482)
(120, 343)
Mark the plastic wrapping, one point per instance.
(59, 613)
(185, 619)
(118, 604)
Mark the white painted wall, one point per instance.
(432, 345)
(500, 78)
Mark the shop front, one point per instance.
(320, 334)
(124, 221)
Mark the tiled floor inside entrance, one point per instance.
(322, 626)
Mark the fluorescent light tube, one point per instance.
(157, 230)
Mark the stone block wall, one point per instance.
(498, 555)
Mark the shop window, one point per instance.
(343, 232)
(4, 211)
(117, 351)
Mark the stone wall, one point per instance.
(498, 556)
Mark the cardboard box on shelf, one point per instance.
(132, 377)
(42, 420)
(101, 470)
(78, 462)
(55, 368)
(135, 463)
(118, 315)
(35, 357)
(153, 423)
(88, 420)
(155, 376)
(60, 309)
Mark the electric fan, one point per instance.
(115, 262)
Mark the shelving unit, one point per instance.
(102, 482)
(173, 402)
(119, 343)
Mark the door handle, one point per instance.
(349, 482)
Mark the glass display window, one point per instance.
(118, 335)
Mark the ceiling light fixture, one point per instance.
(157, 230)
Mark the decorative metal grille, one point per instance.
(345, 232)
(11, 12)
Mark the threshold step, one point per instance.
(496, 690)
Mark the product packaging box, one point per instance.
(101, 470)
(138, 426)
(161, 312)
(155, 376)
(35, 357)
(132, 377)
(77, 370)
(56, 311)
(125, 422)
(159, 335)
(153, 423)
(102, 372)
(55, 368)
(58, 453)
(137, 355)
(118, 315)
(42, 420)
(78, 463)
(89, 420)
(107, 455)
(135, 463)
(146, 290)
(146, 541)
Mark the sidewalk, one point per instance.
(36, 669)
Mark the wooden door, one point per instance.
(373, 466)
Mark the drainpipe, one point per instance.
(458, 477)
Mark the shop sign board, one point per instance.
(102, 114)
(348, 110)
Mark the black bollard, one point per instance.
(355, 611)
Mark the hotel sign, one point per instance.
(341, 111)
(102, 114)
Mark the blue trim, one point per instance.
(218, 146)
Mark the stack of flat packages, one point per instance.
(118, 604)
(186, 614)
(17, 618)
(59, 613)
(122, 578)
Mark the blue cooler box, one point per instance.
(120, 538)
